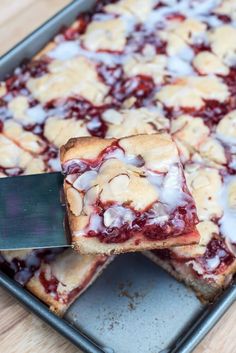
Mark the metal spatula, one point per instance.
(32, 214)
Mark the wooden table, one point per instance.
(20, 331)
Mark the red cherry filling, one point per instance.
(83, 165)
(98, 128)
(16, 85)
(139, 86)
(23, 270)
(141, 37)
(87, 279)
(224, 18)
(73, 33)
(111, 75)
(81, 109)
(163, 254)
(216, 249)
(49, 285)
(199, 47)
(72, 107)
(121, 87)
(213, 112)
(176, 16)
(230, 80)
(11, 171)
(181, 221)
(35, 68)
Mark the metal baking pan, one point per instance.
(134, 306)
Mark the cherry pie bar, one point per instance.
(127, 194)
(56, 276)
(132, 67)
(209, 266)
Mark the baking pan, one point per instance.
(134, 306)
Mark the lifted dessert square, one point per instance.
(127, 194)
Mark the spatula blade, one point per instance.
(31, 212)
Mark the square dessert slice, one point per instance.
(206, 268)
(56, 276)
(127, 194)
(209, 266)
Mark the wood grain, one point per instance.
(20, 331)
(20, 17)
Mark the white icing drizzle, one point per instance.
(213, 263)
(155, 179)
(116, 216)
(69, 49)
(171, 192)
(200, 270)
(233, 163)
(169, 187)
(83, 182)
(192, 9)
(74, 161)
(103, 16)
(186, 54)
(179, 67)
(95, 223)
(37, 114)
(226, 139)
(65, 50)
(119, 154)
(54, 164)
(94, 124)
(228, 220)
(158, 214)
(71, 178)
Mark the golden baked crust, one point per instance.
(94, 246)
(134, 121)
(84, 147)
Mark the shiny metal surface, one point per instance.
(79, 339)
(31, 212)
(135, 306)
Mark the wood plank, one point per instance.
(19, 18)
(20, 331)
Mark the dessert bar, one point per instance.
(127, 194)
(209, 266)
(56, 276)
